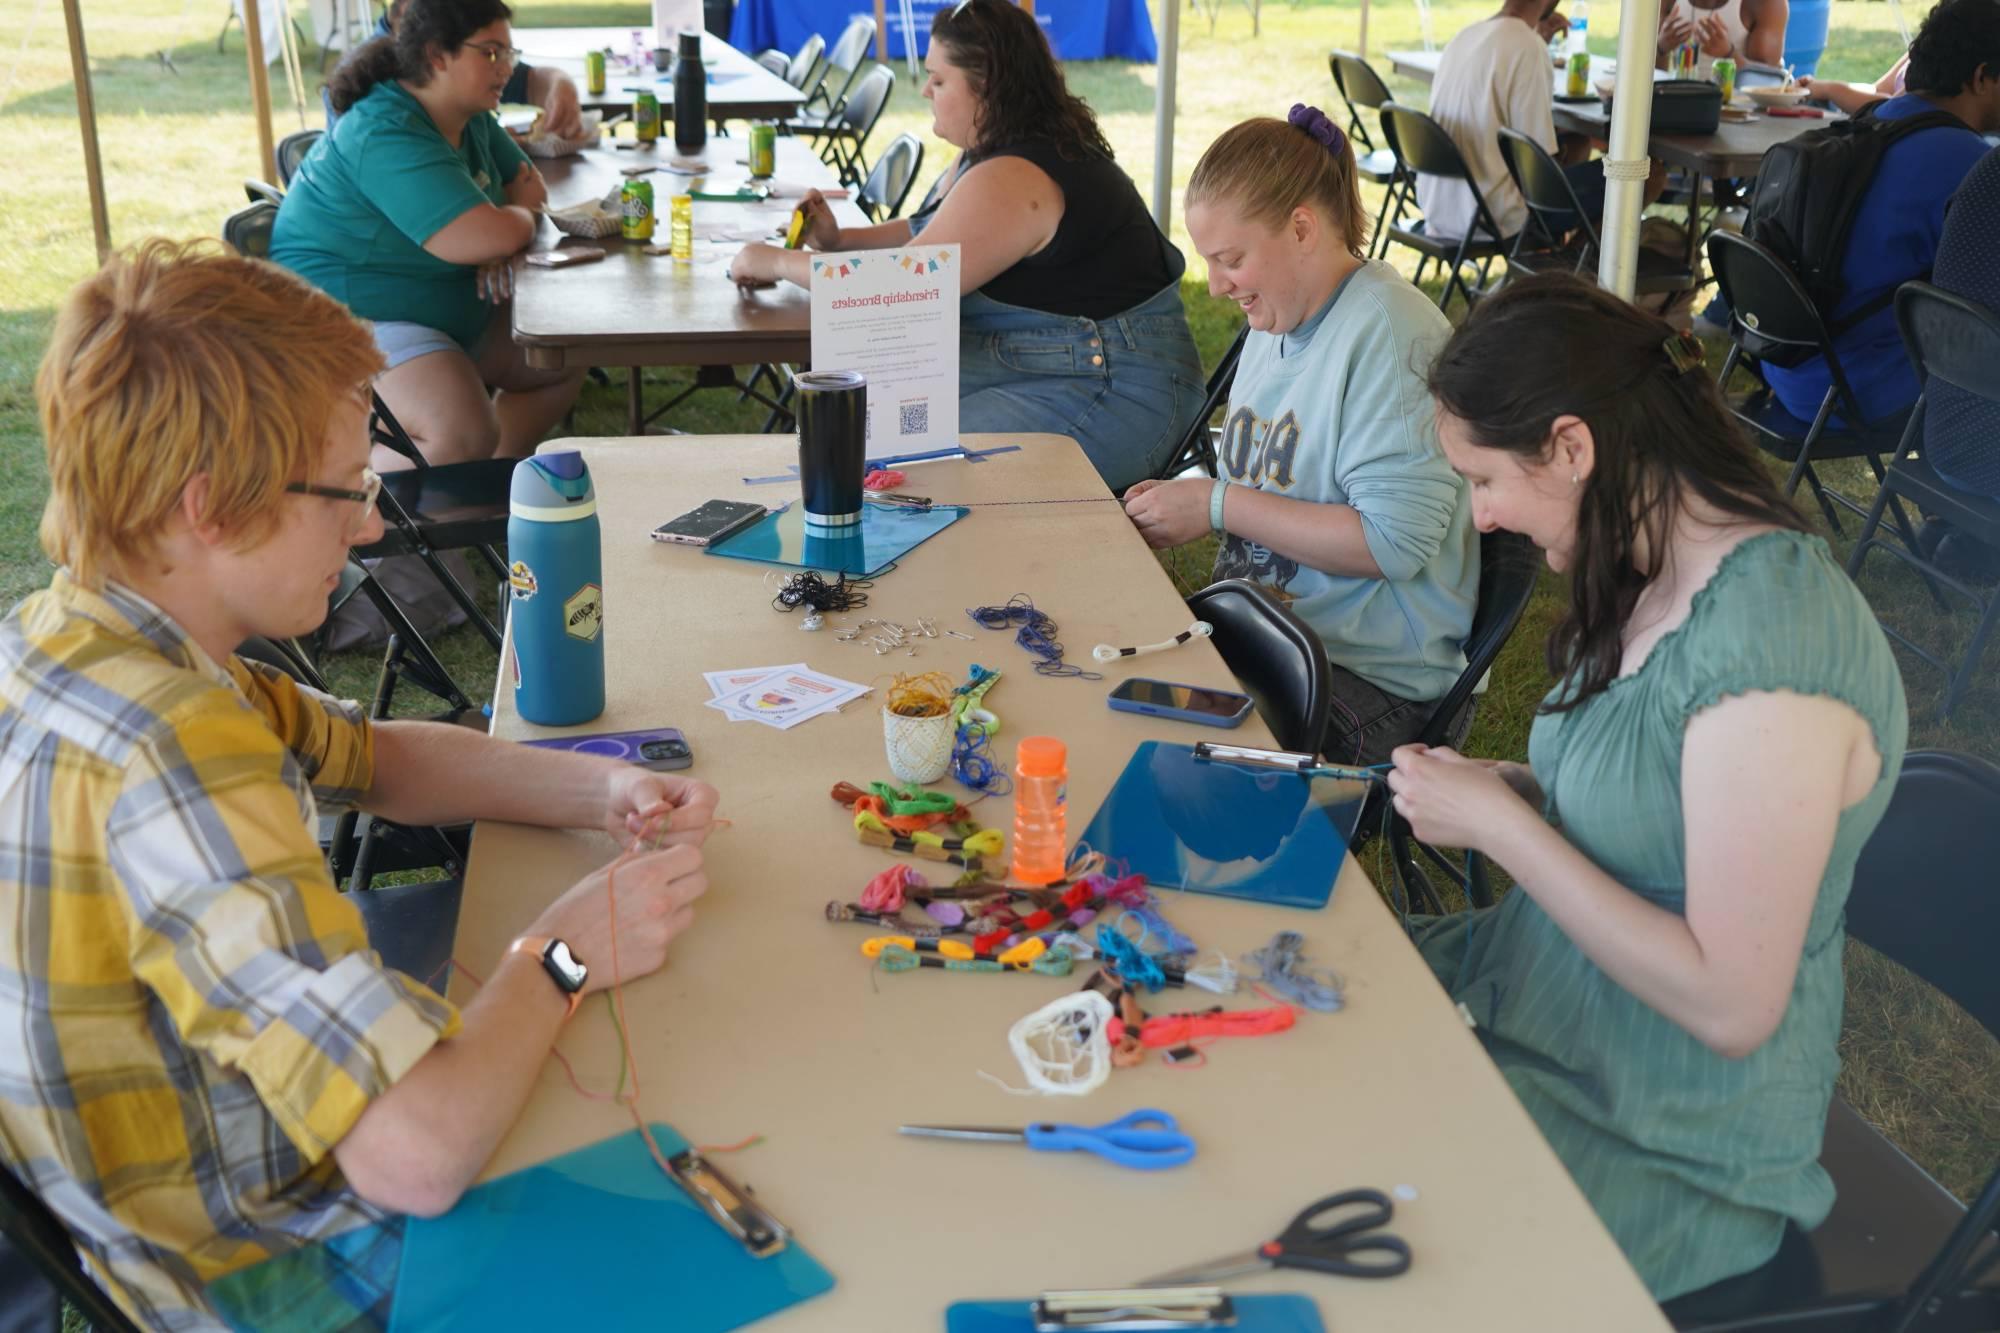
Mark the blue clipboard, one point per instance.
(888, 533)
(600, 1233)
(1210, 826)
(1254, 1314)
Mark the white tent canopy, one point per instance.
(1625, 161)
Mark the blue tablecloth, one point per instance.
(1077, 29)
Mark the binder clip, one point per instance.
(1116, 1310)
(729, 1205)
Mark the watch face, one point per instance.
(563, 966)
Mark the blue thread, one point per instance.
(1283, 967)
(1172, 940)
(972, 764)
(1036, 634)
(1122, 956)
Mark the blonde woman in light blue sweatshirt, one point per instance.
(1333, 493)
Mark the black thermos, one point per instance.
(690, 97)
(832, 407)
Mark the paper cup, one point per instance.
(919, 748)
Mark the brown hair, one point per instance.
(182, 358)
(417, 28)
(1020, 87)
(1267, 167)
(1556, 346)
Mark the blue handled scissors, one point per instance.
(1145, 1140)
(1353, 1245)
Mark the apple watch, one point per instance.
(561, 965)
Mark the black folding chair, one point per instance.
(1957, 342)
(1197, 447)
(1422, 147)
(887, 188)
(843, 60)
(846, 133)
(292, 150)
(248, 230)
(43, 1241)
(1554, 211)
(1898, 1253)
(1280, 659)
(428, 509)
(263, 192)
(1771, 315)
(1509, 567)
(1360, 86)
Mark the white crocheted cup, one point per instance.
(919, 748)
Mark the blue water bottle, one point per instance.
(555, 572)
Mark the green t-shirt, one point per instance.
(370, 194)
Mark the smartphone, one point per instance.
(574, 254)
(663, 748)
(710, 522)
(1185, 703)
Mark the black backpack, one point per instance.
(1809, 190)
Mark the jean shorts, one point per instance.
(400, 340)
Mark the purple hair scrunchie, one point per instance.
(1314, 122)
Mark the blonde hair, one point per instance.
(176, 359)
(1267, 167)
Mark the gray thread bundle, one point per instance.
(1283, 967)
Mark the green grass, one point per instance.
(176, 146)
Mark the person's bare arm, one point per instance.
(1764, 42)
(483, 234)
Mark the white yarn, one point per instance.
(1063, 1047)
(1105, 652)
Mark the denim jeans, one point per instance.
(1126, 388)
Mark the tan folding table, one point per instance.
(635, 309)
(767, 1019)
(739, 88)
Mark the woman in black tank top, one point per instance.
(1072, 322)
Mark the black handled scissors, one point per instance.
(1352, 1245)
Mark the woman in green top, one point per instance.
(1663, 988)
(411, 210)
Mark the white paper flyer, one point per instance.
(893, 316)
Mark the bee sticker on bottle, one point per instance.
(583, 613)
(522, 580)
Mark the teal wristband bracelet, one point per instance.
(1215, 497)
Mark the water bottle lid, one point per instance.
(568, 464)
(1041, 757)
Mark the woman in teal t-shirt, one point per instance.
(410, 210)
(1662, 989)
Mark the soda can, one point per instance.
(1578, 83)
(763, 149)
(680, 233)
(635, 207)
(1724, 70)
(646, 117)
(593, 72)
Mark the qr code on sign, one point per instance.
(913, 418)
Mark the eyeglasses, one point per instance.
(497, 54)
(371, 486)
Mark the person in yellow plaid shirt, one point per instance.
(204, 1064)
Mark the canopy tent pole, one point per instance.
(260, 87)
(1362, 47)
(86, 115)
(1163, 115)
(1625, 162)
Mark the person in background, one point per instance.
(1851, 97)
(1662, 987)
(411, 211)
(1496, 75)
(1070, 314)
(207, 1064)
(1962, 429)
(1741, 30)
(1954, 68)
(1332, 493)
(553, 91)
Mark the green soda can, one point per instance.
(1725, 78)
(635, 207)
(646, 119)
(593, 72)
(763, 149)
(1578, 82)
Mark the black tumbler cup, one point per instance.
(832, 407)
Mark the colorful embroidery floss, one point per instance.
(1034, 631)
(1281, 966)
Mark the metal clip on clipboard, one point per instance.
(1136, 1309)
(730, 1205)
(1289, 761)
